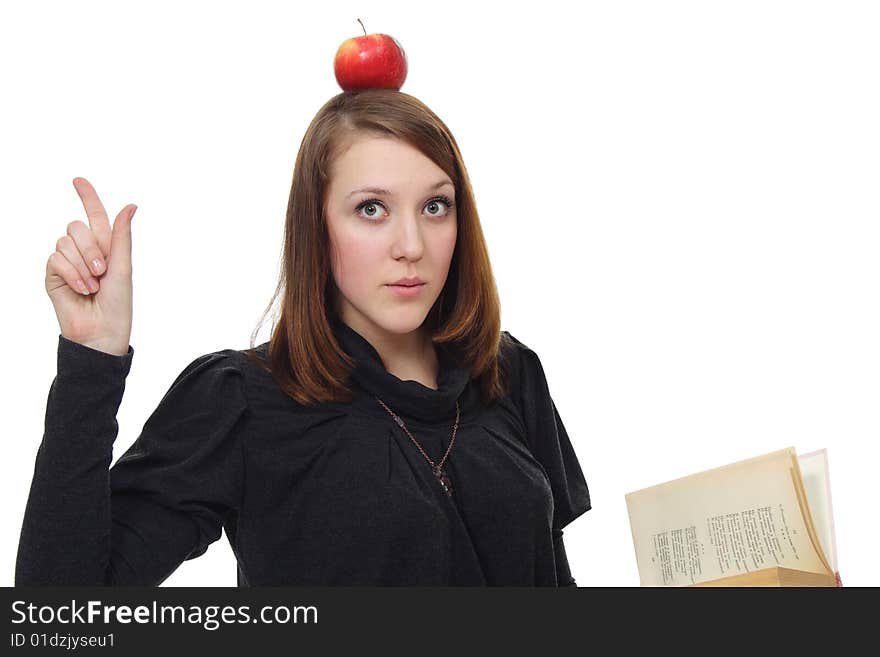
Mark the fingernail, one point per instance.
(132, 213)
(93, 285)
(96, 266)
(82, 287)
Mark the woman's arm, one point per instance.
(85, 524)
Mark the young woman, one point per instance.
(389, 433)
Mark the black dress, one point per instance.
(335, 494)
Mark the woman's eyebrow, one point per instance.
(384, 192)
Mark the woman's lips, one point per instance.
(407, 290)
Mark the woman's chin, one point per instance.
(402, 320)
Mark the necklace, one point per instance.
(437, 469)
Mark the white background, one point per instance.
(680, 200)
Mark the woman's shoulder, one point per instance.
(234, 378)
(521, 362)
(223, 367)
(512, 344)
(256, 357)
(244, 360)
(263, 390)
(514, 351)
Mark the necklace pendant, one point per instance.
(444, 480)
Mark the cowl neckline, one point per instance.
(407, 398)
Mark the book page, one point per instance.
(722, 522)
(814, 472)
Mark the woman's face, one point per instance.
(390, 214)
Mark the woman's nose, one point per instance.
(409, 241)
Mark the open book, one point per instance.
(764, 521)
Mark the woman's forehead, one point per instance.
(383, 163)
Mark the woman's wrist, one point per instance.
(109, 347)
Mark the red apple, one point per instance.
(372, 61)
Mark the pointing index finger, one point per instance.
(98, 220)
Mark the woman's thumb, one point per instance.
(120, 240)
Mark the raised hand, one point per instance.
(88, 277)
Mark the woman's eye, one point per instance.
(371, 209)
(370, 204)
(435, 202)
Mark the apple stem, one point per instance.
(362, 27)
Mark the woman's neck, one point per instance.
(408, 356)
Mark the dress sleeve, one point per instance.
(563, 570)
(161, 503)
(549, 441)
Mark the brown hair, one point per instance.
(304, 357)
